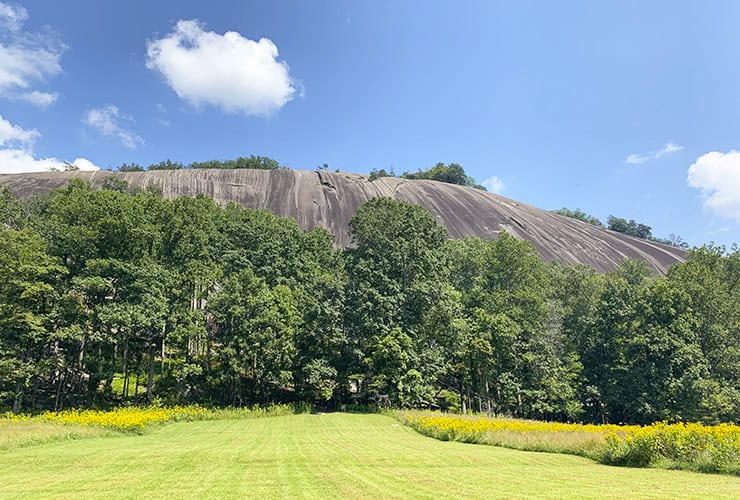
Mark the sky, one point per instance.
(623, 108)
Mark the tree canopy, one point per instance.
(252, 162)
(451, 173)
(631, 228)
(580, 215)
(118, 295)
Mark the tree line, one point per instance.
(624, 226)
(118, 295)
(451, 173)
(252, 161)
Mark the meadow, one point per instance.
(690, 446)
(703, 448)
(127, 419)
(316, 456)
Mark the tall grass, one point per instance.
(24, 430)
(19, 434)
(679, 446)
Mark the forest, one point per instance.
(119, 296)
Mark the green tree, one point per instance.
(28, 299)
(531, 367)
(710, 279)
(130, 167)
(255, 325)
(166, 165)
(579, 215)
(451, 173)
(630, 227)
(394, 275)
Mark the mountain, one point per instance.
(330, 199)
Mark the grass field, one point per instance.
(22, 434)
(320, 456)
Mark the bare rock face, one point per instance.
(329, 200)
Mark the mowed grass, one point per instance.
(323, 456)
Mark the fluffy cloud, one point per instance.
(637, 158)
(16, 152)
(107, 121)
(718, 176)
(14, 135)
(494, 184)
(229, 71)
(26, 58)
(85, 164)
(17, 161)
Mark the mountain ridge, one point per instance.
(329, 199)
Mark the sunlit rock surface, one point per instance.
(330, 199)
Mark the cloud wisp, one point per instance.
(107, 120)
(16, 152)
(40, 99)
(717, 175)
(228, 71)
(638, 158)
(494, 185)
(26, 59)
(12, 17)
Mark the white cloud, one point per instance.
(12, 17)
(107, 121)
(638, 158)
(718, 176)
(26, 58)
(85, 164)
(228, 71)
(17, 161)
(494, 184)
(40, 99)
(14, 135)
(16, 152)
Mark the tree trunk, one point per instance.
(462, 399)
(255, 385)
(98, 377)
(138, 371)
(125, 370)
(161, 359)
(34, 393)
(488, 398)
(209, 334)
(150, 378)
(81, 358)
(57, 406)
(518, 404)
(18, 399)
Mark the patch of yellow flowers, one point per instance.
(138, 419)
(710, 448)
(456, 424)
(130, 419)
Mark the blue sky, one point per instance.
(627, 108)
